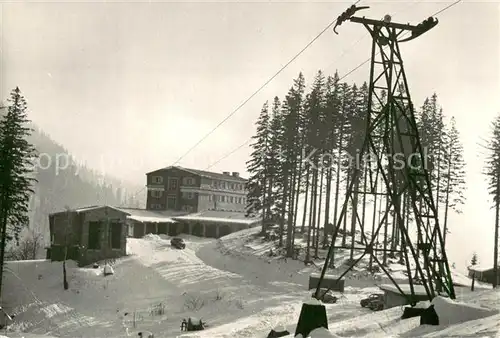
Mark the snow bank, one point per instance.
(451, 312)
(320, 332)
(312, 301)
(152, 237)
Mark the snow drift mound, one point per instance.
(152, 237)
(451, 312)
(320, 332)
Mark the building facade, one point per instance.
(87, 235)
(193, 190)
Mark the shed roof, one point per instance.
(170, 216)
(219, 217)
(140, 215)
(419, 289)
(86, 209)
(153, 216)
(478, 268)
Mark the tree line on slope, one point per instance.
(291, 185)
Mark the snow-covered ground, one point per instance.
(230, 283)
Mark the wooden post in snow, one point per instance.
(473, 279)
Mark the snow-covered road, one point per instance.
(238, 294)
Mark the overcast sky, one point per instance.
(129, 87)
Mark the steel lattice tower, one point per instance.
(391, 133)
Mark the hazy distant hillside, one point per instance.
(62, 181)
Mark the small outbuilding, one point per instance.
(87, 235)
(393, 297)
(328, 282)
(484, 274)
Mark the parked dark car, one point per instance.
(177, 243)
(326, 297)
(373, 297)
(376, 305)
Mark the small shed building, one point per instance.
(87, 235)
(328, 282)
(393, 297)
(484, 274)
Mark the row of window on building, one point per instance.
(226, 199)
(189, 181)
(172, 182)
(185, 195)
(223, 185)
(158, 206)
(211, 198)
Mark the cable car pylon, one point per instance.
(391, 132)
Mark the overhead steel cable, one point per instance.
(251, 97)
(341, 78)
(258, 90)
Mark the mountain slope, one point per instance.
(62, 181)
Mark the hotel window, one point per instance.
(188, 181)
(189, 195)
(156, 206)
(239, 200)
(222, 198)
(157, 179)
(172, 184)
(231, 199)
(210, 198)
(156, 194)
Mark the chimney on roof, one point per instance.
(236, 174)
(226, 173)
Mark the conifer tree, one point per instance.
(291, 111)
(356, 138)
(453, 175)
(257, 167)
(332, 126)
(474, 259)
(433, 139)
(315, 107)
(16, 171)
(282, 167)
(493, 174)
(275, 137)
